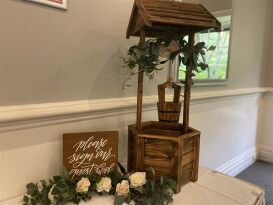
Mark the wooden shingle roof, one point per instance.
(159, 16)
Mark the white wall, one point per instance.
(49, 55)
(38, 67)
(265, 141)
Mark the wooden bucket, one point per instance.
(169, 111)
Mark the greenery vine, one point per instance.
(125, 187)
(149, 56)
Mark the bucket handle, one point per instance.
(161, 91)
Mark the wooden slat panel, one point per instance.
(157, 163)
(186, 12)
(187, 173)
(180, 16)
(175, 157)
(158, 30)
(173, 4)
(162, 132)
(143, 12)
(174, 8)
(162, 148)
(187, 158)
(188, 146)
(181, 22)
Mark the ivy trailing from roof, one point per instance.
(153, 53)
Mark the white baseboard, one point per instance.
(239, 163)
(265, 153)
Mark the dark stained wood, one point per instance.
(143, 13)
(173, 4)
(167, 150)
(187, 92)
(179, 16)
(196, 153)
(140, 141)
(209, 13)
(172, 149)
(181, 22)
(140, 89)
(98, 149)
(158, 30)
(183, 17)
(169, 111)
(165, 11)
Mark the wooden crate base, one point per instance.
(164, 147)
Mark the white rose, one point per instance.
(104, 184)
(123, 188)
(166, 51)
(83, 185)
(138, 179)
(50, 196)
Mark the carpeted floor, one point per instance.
(261, 174)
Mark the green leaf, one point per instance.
(155, 49)
(203, 58)
(161, 180)
(195, 58)
(171, 183)
(162, 62)
(64, 173)
(203, 66)
(25, 199)
(121, 168)
(153, 185)
(119, 200)
(55, 191)
(43, 182)
(200, 45)
(31, 189)
(139, 189)
(153, 172)
(33, 202)
(68, 196)
(31, 186)
(173, 55)
(56, 178)
(202, 52)
(211, 48)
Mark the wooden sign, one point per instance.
(85, 153)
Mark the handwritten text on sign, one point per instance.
(85, 153)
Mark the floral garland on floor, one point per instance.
(125, 187)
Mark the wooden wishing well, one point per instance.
(168, 146)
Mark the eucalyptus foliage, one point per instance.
(63, 190)
(147, 56)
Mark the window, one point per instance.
(217, 59)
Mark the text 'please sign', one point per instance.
(85, 153)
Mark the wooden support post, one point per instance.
(196, 142)
(140, 88)
(187, 92)
(140, 140)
